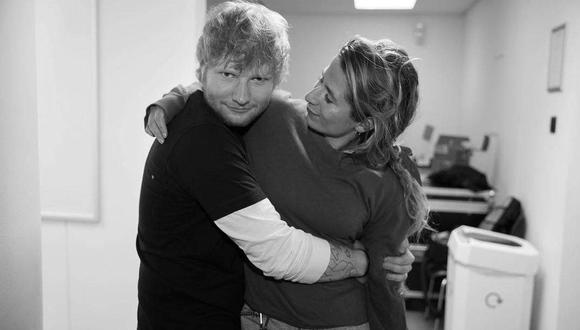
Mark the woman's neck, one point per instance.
(339, 143)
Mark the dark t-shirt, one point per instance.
(191, 274)
(326, 193)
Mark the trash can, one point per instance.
(490, 279)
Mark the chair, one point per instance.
(507, 218)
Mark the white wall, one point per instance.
(488, 70)
(20, 256)
(316, 39)
(90, 269)
(66, 41)
(507, 52)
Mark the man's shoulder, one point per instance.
(197, 118)
(207, 135)
(199, 133)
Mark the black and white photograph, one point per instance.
(289, 164)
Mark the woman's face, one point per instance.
(328, 111)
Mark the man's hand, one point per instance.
(360, 247)
(345, 262)
(398, 267)
(156, 123)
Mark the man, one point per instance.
(198, 195)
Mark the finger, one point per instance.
(404, 246)
(148, 131)
(396, 277)
(398, 261)
(157, 132)
(405, 259)
(394, 268)
(408, 256)
(150, 123)
(161, 125)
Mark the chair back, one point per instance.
(507, 218)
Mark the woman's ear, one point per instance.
(366, 125)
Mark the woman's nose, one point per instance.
(313, 95)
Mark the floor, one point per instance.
(417, 321)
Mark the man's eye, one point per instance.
(327, 99)
(261, 79)
(228, 74)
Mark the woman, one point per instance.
(331, 167)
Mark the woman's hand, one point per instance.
(398, 267)
(156, 123)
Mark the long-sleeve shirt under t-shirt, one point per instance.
(199, 202)
(327, 193)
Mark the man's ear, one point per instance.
(364, 126)
(200, 73)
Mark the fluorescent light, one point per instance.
(384, 4)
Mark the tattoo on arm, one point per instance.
(344, 263)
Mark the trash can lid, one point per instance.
(491, 250)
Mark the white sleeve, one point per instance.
(280, 251)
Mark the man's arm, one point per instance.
(344, 261)
(210, 165)
(285, 252)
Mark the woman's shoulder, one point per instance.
(283, 103)
(386, 178)
(381, 182)
(282, 115)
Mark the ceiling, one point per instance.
(320, 7)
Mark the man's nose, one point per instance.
(242, 94)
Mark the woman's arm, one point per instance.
(382, 236)
(158, 114)
(280, 251)
(345, 262)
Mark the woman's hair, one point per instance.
(383, 93)
(246, 34)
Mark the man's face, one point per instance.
(237, 95)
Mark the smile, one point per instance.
(236, 109)
(311, 112)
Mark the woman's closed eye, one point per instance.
(327, 99)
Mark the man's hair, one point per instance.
(246, 34)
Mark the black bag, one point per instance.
(460, 176)
(507, 218)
